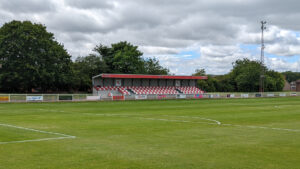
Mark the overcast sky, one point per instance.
(183, 34)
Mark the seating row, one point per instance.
(152, 89)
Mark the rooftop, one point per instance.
(139, 76)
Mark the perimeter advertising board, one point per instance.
(161, 96)
(282, 94)
(65, 97)
(244, 95)
(34, 98)
(230, 95)
(198, 96)
(118, 98)
(181, 96)
(4, 98)
(140, 97)
(91, 98)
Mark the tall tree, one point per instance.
(31, 58)
(275, 82)
(244, 77)
(122, 57)
(85, 68)
(153, 67)
(246, 74)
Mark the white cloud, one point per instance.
(214, 28)
(281, 65)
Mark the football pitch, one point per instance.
(175, 134)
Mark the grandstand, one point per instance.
(128, 84)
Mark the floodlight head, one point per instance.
(263, 22)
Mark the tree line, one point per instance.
(291, 76)
(31, 58)
(244, 77)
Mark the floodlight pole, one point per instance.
(262, 58)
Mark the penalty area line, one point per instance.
(62, 136)
(37, 140)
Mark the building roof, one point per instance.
(138, 76)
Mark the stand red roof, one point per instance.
(136, 76)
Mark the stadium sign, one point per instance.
(34, 98)
(270, 95)
(141, 97)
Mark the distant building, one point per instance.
(293, 86)
(297, 85)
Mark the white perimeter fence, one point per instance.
(90, 97)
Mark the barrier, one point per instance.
(88, 97)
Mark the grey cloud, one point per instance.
(89, 4)
(27, 6)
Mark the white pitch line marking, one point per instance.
(61, 111)
(195, 117)
(64, 136)
(181, 121)
(36, 140)
(216, 122)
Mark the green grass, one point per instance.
(153, 134)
